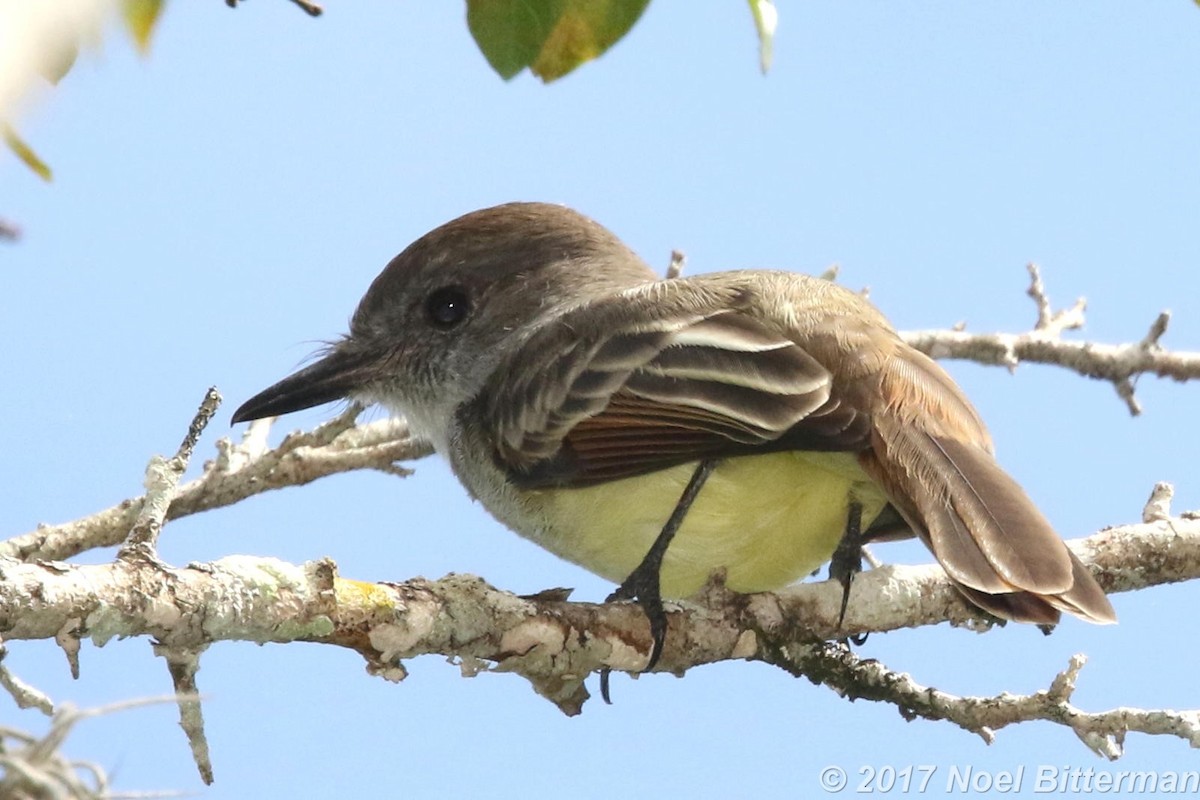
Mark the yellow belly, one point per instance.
(768, 520)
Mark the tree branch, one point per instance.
(556, 644)
(1118, 364)
(162, 484)
(239, 471)
(1103, 732)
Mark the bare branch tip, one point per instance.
(326, 432)
(1073, 318)
(307, 6)
(254, 439)
(204, 414)
(1157, 329)
(182, 663)
(1158, 506)
(1063, 685)
(1104, 745)
(395, 469)
(67, 638)
(1037, 291)
(162, 484)
(22, 693)
(312, 9)
(1010, 360)
(1125, 391)
(676, 265)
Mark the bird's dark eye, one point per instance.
(447, 306)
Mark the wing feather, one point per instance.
(601, 394)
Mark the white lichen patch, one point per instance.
(534, 632)
(269, 574)
(394, 640)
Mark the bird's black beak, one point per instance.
(336, 376)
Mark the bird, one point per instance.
(656, 430)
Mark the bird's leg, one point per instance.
(643, 584)
(847, 559)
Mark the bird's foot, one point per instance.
(847, 561)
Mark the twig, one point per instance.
(1120, 364)
(312, 9)
(182, 663)
(162, 482)
(308, 7)
(1103, 732)
(1158, 507)
(25, 695)
(676, 265)
(1052, 323)
(8, 231)
(238, 472)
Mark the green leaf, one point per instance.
(26, 154)
(511, 32)
(766, 19)
(585, 30)
(140, 18)
(551, 37)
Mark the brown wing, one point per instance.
(934, 459)
(612, 394)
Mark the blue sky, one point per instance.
(220, 207)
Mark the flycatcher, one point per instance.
(653, 431)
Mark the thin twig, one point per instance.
(307, 6)
(25, 695)
(162, 482)
(1119, 365)
(8, 231)
(239, 471)
(1049, 322)
(676, 266)
(1103, 732)
(183, 663)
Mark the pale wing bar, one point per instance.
(676, 387)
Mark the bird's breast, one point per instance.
(768, 520)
